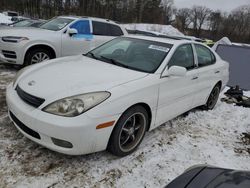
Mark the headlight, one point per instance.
(14, 39)
(19, 73)
(76, 105)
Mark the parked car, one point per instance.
(211, 177)
(28, 23)
(10, 13)
(61, 36)
(109, 97)
(15, 19)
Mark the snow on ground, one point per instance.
(155, 28)
(200, 137)
(5, 19)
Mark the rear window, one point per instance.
(100, 28)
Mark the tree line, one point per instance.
(199, 21)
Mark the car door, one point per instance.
(104, 32)
(78, 43)
(176, 94)
(208, 73)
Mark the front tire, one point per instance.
(213, 98)
(37, 55)
(129, 131)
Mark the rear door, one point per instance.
(79, 43)
(209, 73)
(176, 93)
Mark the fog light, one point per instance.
(61, 143)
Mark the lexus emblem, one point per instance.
(31, 83)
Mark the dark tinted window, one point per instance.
(115, 30)
(100, 28)
(81, 26)
(205, 56)
(183, 57)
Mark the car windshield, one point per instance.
(56, 24)
(137, 54)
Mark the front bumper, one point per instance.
(80, 131)
(11, 53)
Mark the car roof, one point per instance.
(90, 18)
(169, 40)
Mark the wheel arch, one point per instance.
(40, 46)
(146, 107)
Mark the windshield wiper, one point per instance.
(114, 62)
(92, 55)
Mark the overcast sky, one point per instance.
(224, 5)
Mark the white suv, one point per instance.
(61, 36)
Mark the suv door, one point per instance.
(79, 43)
(104, 32)
(176, 94)
(208, 73)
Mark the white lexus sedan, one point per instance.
(109, 97)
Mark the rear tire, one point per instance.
(37, 55)
(213, 98)
(129, 131)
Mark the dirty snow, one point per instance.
(155, 28)
(213, 137)
(5, 19)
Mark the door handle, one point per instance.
(195, 78)
(216, 72)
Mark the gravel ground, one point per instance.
(219, 137)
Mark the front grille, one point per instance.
(30, 99)
(9, 54)
(24, 128)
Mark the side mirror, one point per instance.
(72, 31)
(175, 71)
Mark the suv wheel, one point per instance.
(37, 56)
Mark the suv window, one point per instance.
(115, 30)
(100, 28)
(81, 26)
(205, 56)
(183, 57)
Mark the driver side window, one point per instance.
(82, 27)
(183, 57)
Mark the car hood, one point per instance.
(24, 31)
(74, 75)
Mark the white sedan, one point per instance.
(109, 97)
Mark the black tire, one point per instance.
(132, 122)
(29, 58)
(213, 98)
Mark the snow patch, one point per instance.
(154, 28)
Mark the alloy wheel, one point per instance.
(213, 97)
(39, 57)
(132, 132)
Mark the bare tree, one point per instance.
(168, 10)
(199, 18)
(183, 18)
